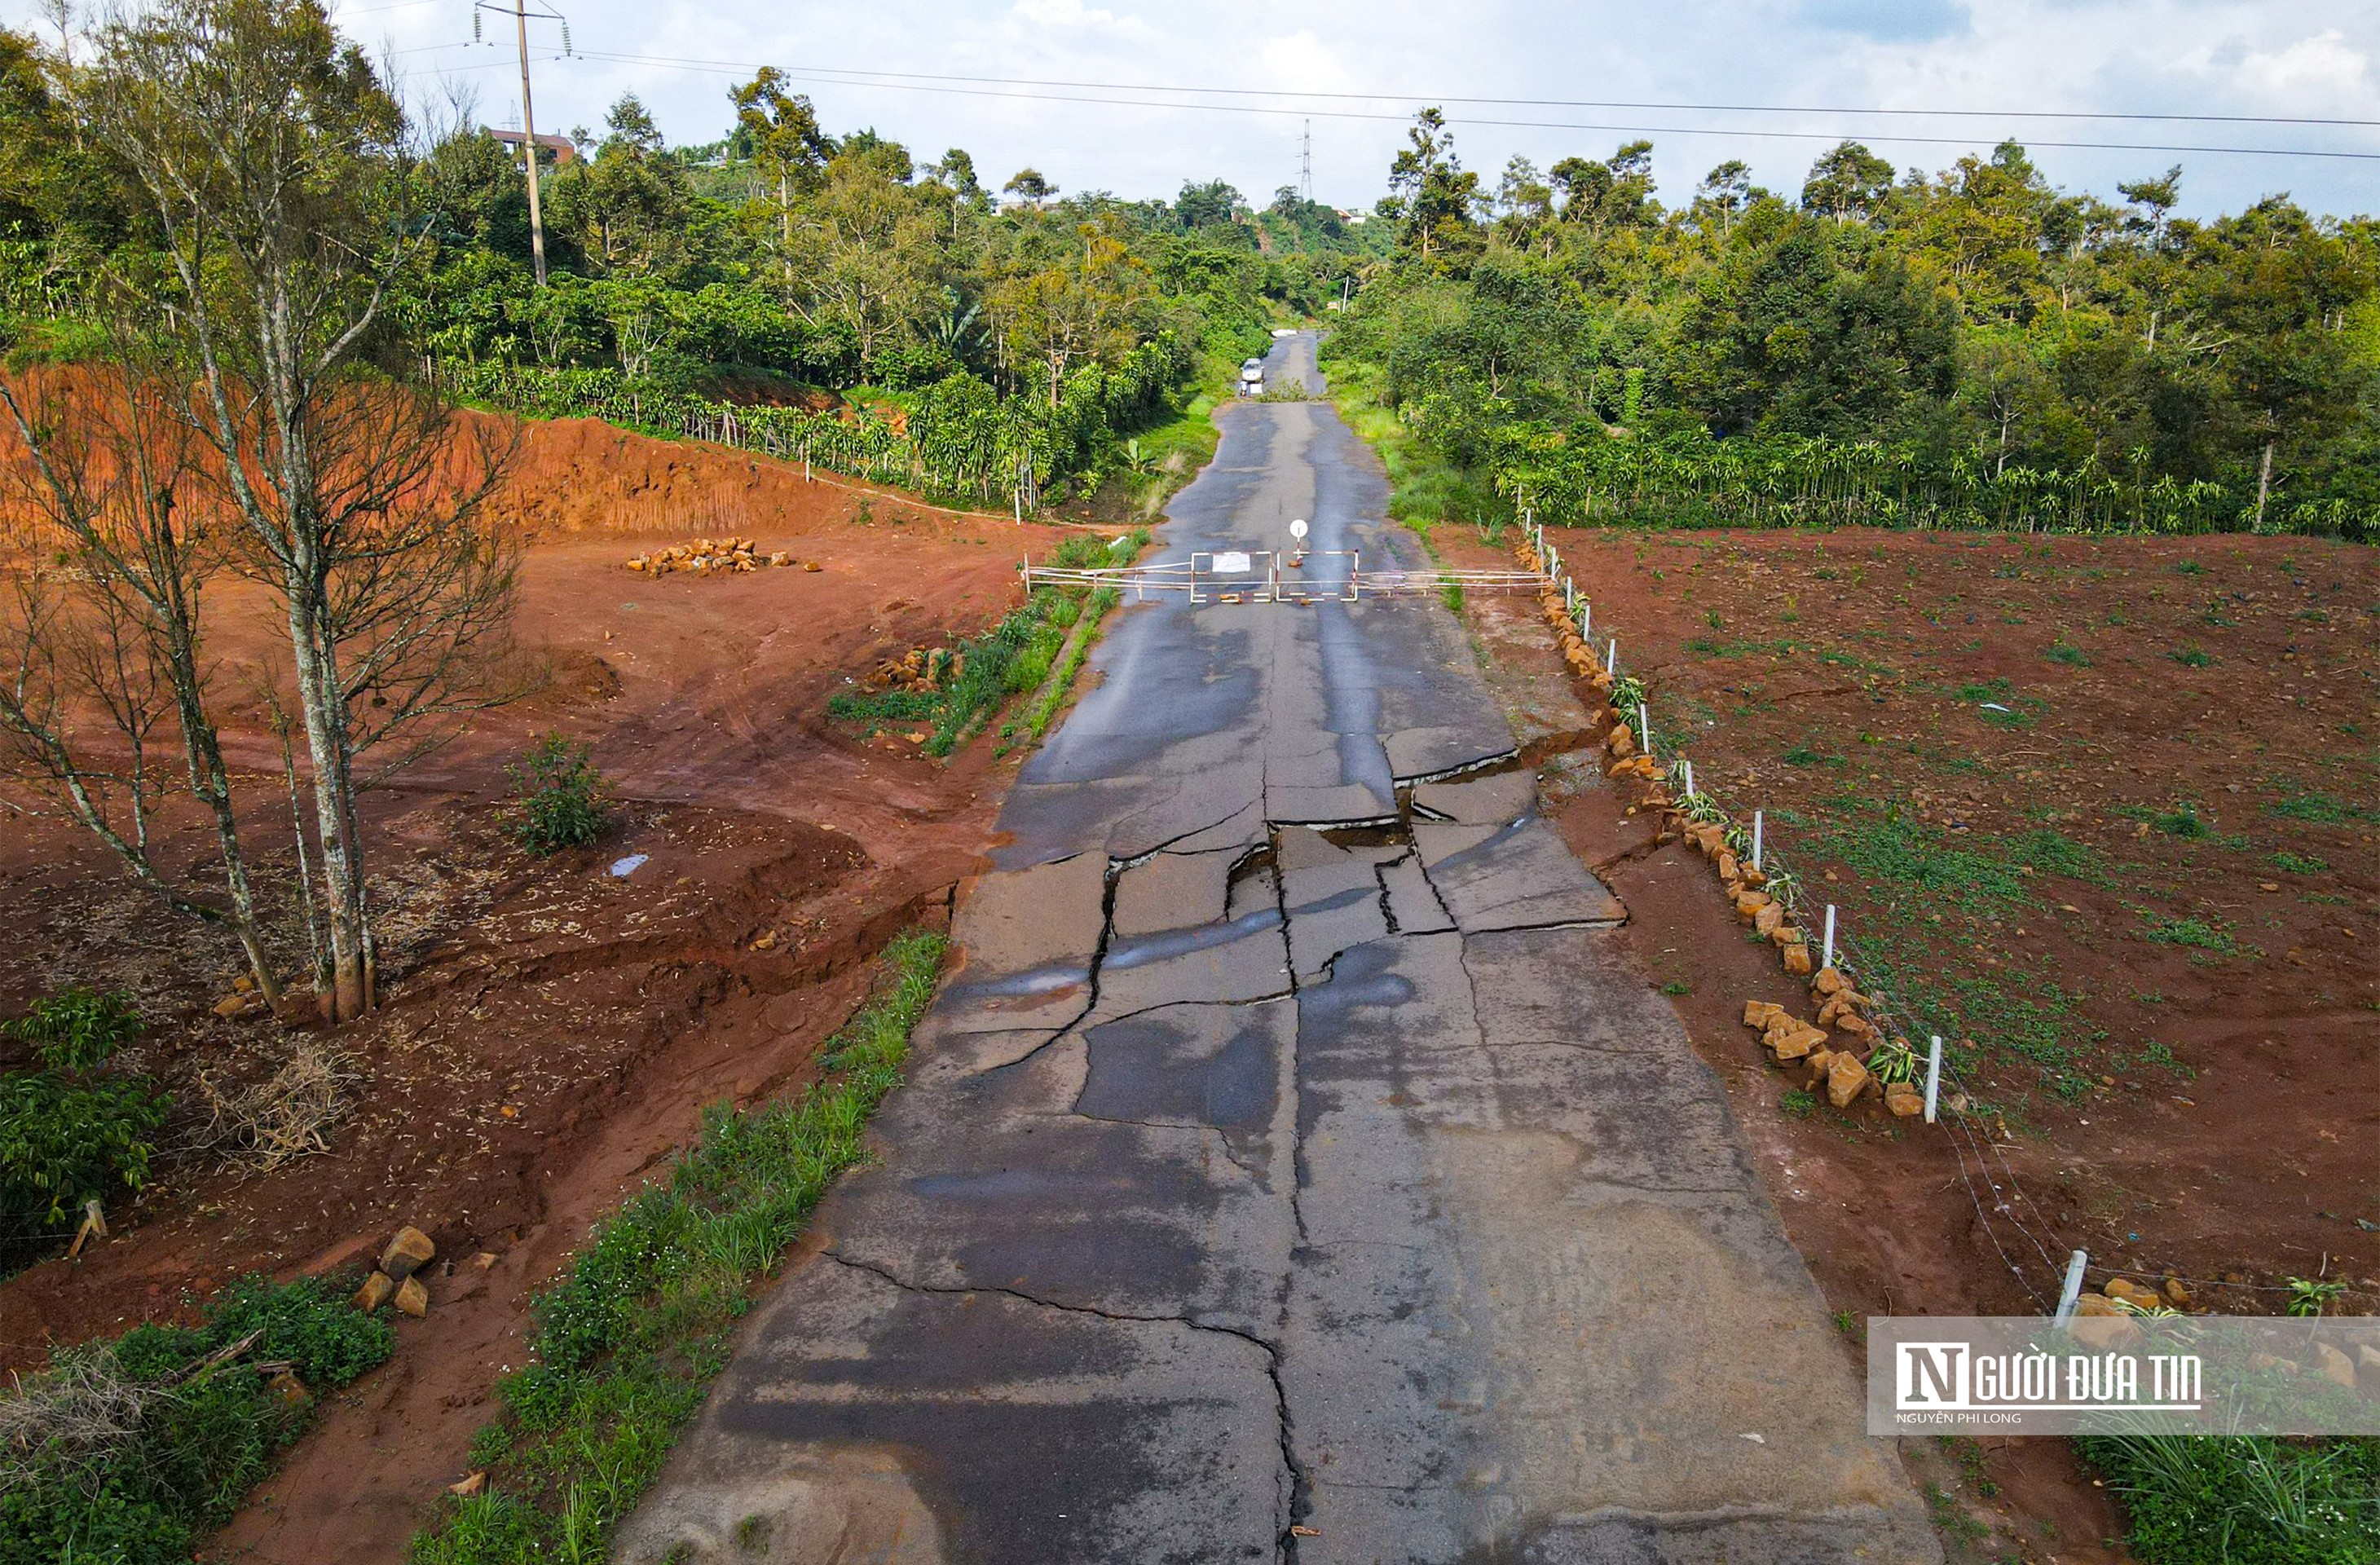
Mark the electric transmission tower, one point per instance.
(1305, 165)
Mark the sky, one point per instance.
(1354, 71)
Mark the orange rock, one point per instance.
(1846, 1079)
(1797, 959)
(1790, 1039)
(374, 1293)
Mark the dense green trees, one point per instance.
(1972, 346)
(781, 249)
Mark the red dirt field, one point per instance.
(2206, 1107)
(551, 1030)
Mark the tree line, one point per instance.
(1972, 346)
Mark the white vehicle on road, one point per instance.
(1252, 378)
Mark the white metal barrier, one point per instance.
(1265, 575)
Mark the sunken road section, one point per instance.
(1297, 1169)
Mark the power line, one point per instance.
(1589, 103)
(853, 78)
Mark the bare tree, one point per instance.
(112, 550)
(275, 166)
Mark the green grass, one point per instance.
(1015, 656)
(1037, 722)
(196, 1430)
(1712, 647)
(625, 1345)
(2300, 864)
(1974, 872)
(2073, 657)
(1424, 487)
(2244, 1500)
(2321, 810)
(2201, 934)
(2190, 657)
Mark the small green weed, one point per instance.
(2201, 934)
(2321, 810)
(131, 1451)
(1799, 1102)
(2310, 1298)
(2190, 657)
(560, 796)
(2073, 657)
(2300, 864)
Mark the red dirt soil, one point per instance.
(551, 1030)
(2251, 1155)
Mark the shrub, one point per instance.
(67, 1136)
(126, 1451)
(562, 796)
(76, 1029)
(63, 1142)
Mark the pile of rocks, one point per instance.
(923, 670)
(398, 1278)
(1842, 1067)
(708, 555)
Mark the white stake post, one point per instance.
(1644, 732)
(1831, 936)
(1611, 658)
(2073, 1289)
(1586, 623)
(1755, 839)
(1933, 1077)
(1690, 779)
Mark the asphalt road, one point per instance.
(1298, 1168)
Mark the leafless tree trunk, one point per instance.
(277, 168)
(105, 473)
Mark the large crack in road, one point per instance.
(1319, 1183)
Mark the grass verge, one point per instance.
(1424, 487)
(1051, 696)
(2245, 1501)
(625, 1345)
(1015, 656)
(129, 1451)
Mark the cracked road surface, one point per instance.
(1298, 1168)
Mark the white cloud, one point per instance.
(1074, 16)
(1302, 62)
(2277, 57)
(2324, 60)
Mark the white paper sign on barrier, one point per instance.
(1234, 564)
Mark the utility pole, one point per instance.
(1305, 165)
(529, 145)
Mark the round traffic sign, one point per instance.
(1297, 527)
